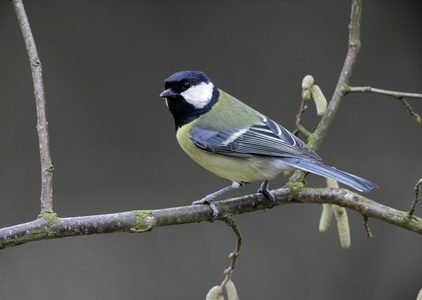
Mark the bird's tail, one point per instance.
(351, 180)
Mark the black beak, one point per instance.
(168, 94)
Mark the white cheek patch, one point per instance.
(199, 95)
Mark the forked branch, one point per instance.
(398, 95)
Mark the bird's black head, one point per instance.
(189, 94)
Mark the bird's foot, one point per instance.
(210, 198)
(264, 189)
(212, 205)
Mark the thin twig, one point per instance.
(414, 115)
(300, 128)
(368, 89)
(302, 110)
(398, 95)
(42, 124)
(365, 224)
(413, 206)
(234, 255)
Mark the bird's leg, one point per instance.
(265, 190)
(210, 198)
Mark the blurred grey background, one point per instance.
(114, 149)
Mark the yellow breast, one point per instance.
(251, 169)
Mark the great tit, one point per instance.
(236, 142)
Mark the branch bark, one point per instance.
(42, 124)
(398, 95)
(49, 226)
(368, 89)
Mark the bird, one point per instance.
(236, 142)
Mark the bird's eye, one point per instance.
(186, 85)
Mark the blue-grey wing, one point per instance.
(267, 138)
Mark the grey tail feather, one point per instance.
(351, 180)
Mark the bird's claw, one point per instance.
(212, 205)
(267, 193)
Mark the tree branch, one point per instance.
(42, 124)
(368, 89)
(398, 95)
(50, 226)
(413, 206)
